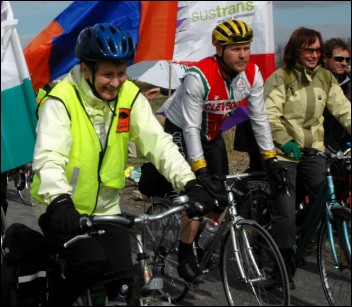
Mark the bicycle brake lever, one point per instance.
(84, 236)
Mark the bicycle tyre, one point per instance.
(25, 193)
(336, 279)
(3, 223)
(161, 242)
(24, 189)
(263, 291)
(3, 229)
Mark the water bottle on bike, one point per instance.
(120, 300)
(208, 232)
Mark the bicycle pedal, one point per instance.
(192, 286)
(205, 271)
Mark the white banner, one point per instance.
(195, 23)
(197, 19)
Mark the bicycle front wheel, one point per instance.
(336, 275)
(3, 229)
(252, 269)
(161, 243)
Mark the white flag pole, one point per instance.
(170, 76)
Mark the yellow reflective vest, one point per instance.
(89, 164)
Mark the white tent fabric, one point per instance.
(157, 73)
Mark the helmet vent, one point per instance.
(113, 30)
(104, 42)
(112, 45)
(100, 44)
(124, 45)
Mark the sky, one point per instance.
(330, 18)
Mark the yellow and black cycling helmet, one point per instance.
(232, 32)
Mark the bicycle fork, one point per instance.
(330, 234)
(142, 259)
(151, 283)
(248, 250)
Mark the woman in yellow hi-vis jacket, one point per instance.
(85, 124)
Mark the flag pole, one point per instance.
(170, 74)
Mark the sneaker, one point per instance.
(188, 267)
(190, 271)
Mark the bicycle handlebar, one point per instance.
(339, 155)
(240, 175)
(180, 203)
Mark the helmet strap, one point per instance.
(226, 71)
(92, 87)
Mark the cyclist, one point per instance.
(295, 97)
(336, 58)
(83, 130)
(211, 89)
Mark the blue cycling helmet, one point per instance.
(104, 42)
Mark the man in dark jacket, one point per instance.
(337, 59)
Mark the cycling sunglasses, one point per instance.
(340, 59)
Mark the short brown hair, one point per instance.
(333, 43)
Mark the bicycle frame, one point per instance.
(230, 216)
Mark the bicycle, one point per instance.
(331, 219)
(248, 254)
(22, 177)
(152, 293)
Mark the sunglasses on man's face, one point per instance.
(340, 59)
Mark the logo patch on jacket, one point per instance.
(123, 122)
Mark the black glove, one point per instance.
(197, 193)
(213, 186)
(275, 170)
(64, 217)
